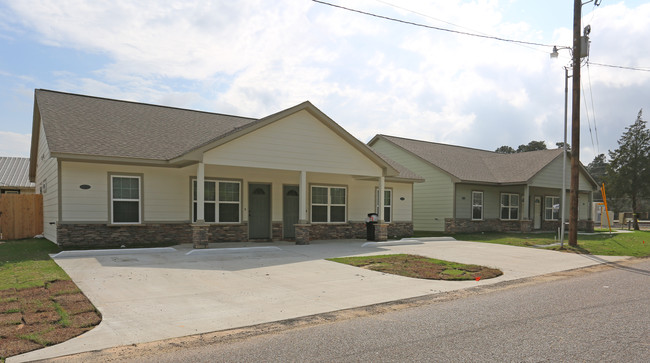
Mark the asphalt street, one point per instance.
(596, 316)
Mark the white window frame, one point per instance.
(139, 200)
(477, 205)
(389, 205)
(510, 207)
(548, 207)
(216, 202)
(329, 203)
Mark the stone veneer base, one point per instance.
(351, 230)
(154, 234)
(459, 225)
(80, 235)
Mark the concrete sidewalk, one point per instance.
(151, 294)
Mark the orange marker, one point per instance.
(478, 278)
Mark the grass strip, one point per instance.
(636, 243)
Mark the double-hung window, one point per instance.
(221, 201)
(477, 206)
(125, 199)
(328, 204)
(509, 206)
(388, 204)
(551, 208)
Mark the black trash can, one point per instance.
(370, 226)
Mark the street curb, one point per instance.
(141, 349)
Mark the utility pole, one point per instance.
(575, 124)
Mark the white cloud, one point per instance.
(14, 144)
(256, 57)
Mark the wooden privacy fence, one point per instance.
(21, 215)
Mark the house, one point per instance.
(116, 173)
(14, 176)
(470, 190)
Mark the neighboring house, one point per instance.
(115, 172)
(470, 190)
(14, 176)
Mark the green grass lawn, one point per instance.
(26, 263)
(39, 304)
(635, 244)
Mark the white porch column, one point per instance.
(525, 215)
(302, 192)
(382, 186)
(200, 193)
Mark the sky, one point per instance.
(372, 76)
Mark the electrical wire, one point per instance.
(593, 109)
(452, 24)
(520, 42)
(432, 27)
(641, 69)
(584, 97)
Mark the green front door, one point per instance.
(259, 211)
(290, 208)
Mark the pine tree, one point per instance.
(628, 173)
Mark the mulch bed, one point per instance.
(38, 317)
(425, 268)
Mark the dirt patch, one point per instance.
(37, 317)
(62, 287)
(15, 346)
(421, 267)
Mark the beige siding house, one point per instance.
(14, 176)
(470, 190)
(122, 173)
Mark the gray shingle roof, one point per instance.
(474, 165)
(14, 172)
(86, 125)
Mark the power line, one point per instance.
(644, 69)
(450, 23)
(428, 16)
(584, 97)
(593, 109)
(641, 69)
(433, 27)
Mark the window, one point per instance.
(125, 199)
(328, 204)
(552, 208)
(509, 206)
(477, 206)
(388, 203)
(221, 201)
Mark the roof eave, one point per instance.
(122, 160)
(33, 151)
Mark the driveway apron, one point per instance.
(152, 294)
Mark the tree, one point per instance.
(561, 144)
(628, 173)
(598, 168)
(505, 149)
(532, 146)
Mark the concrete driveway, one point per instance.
(151, 294)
